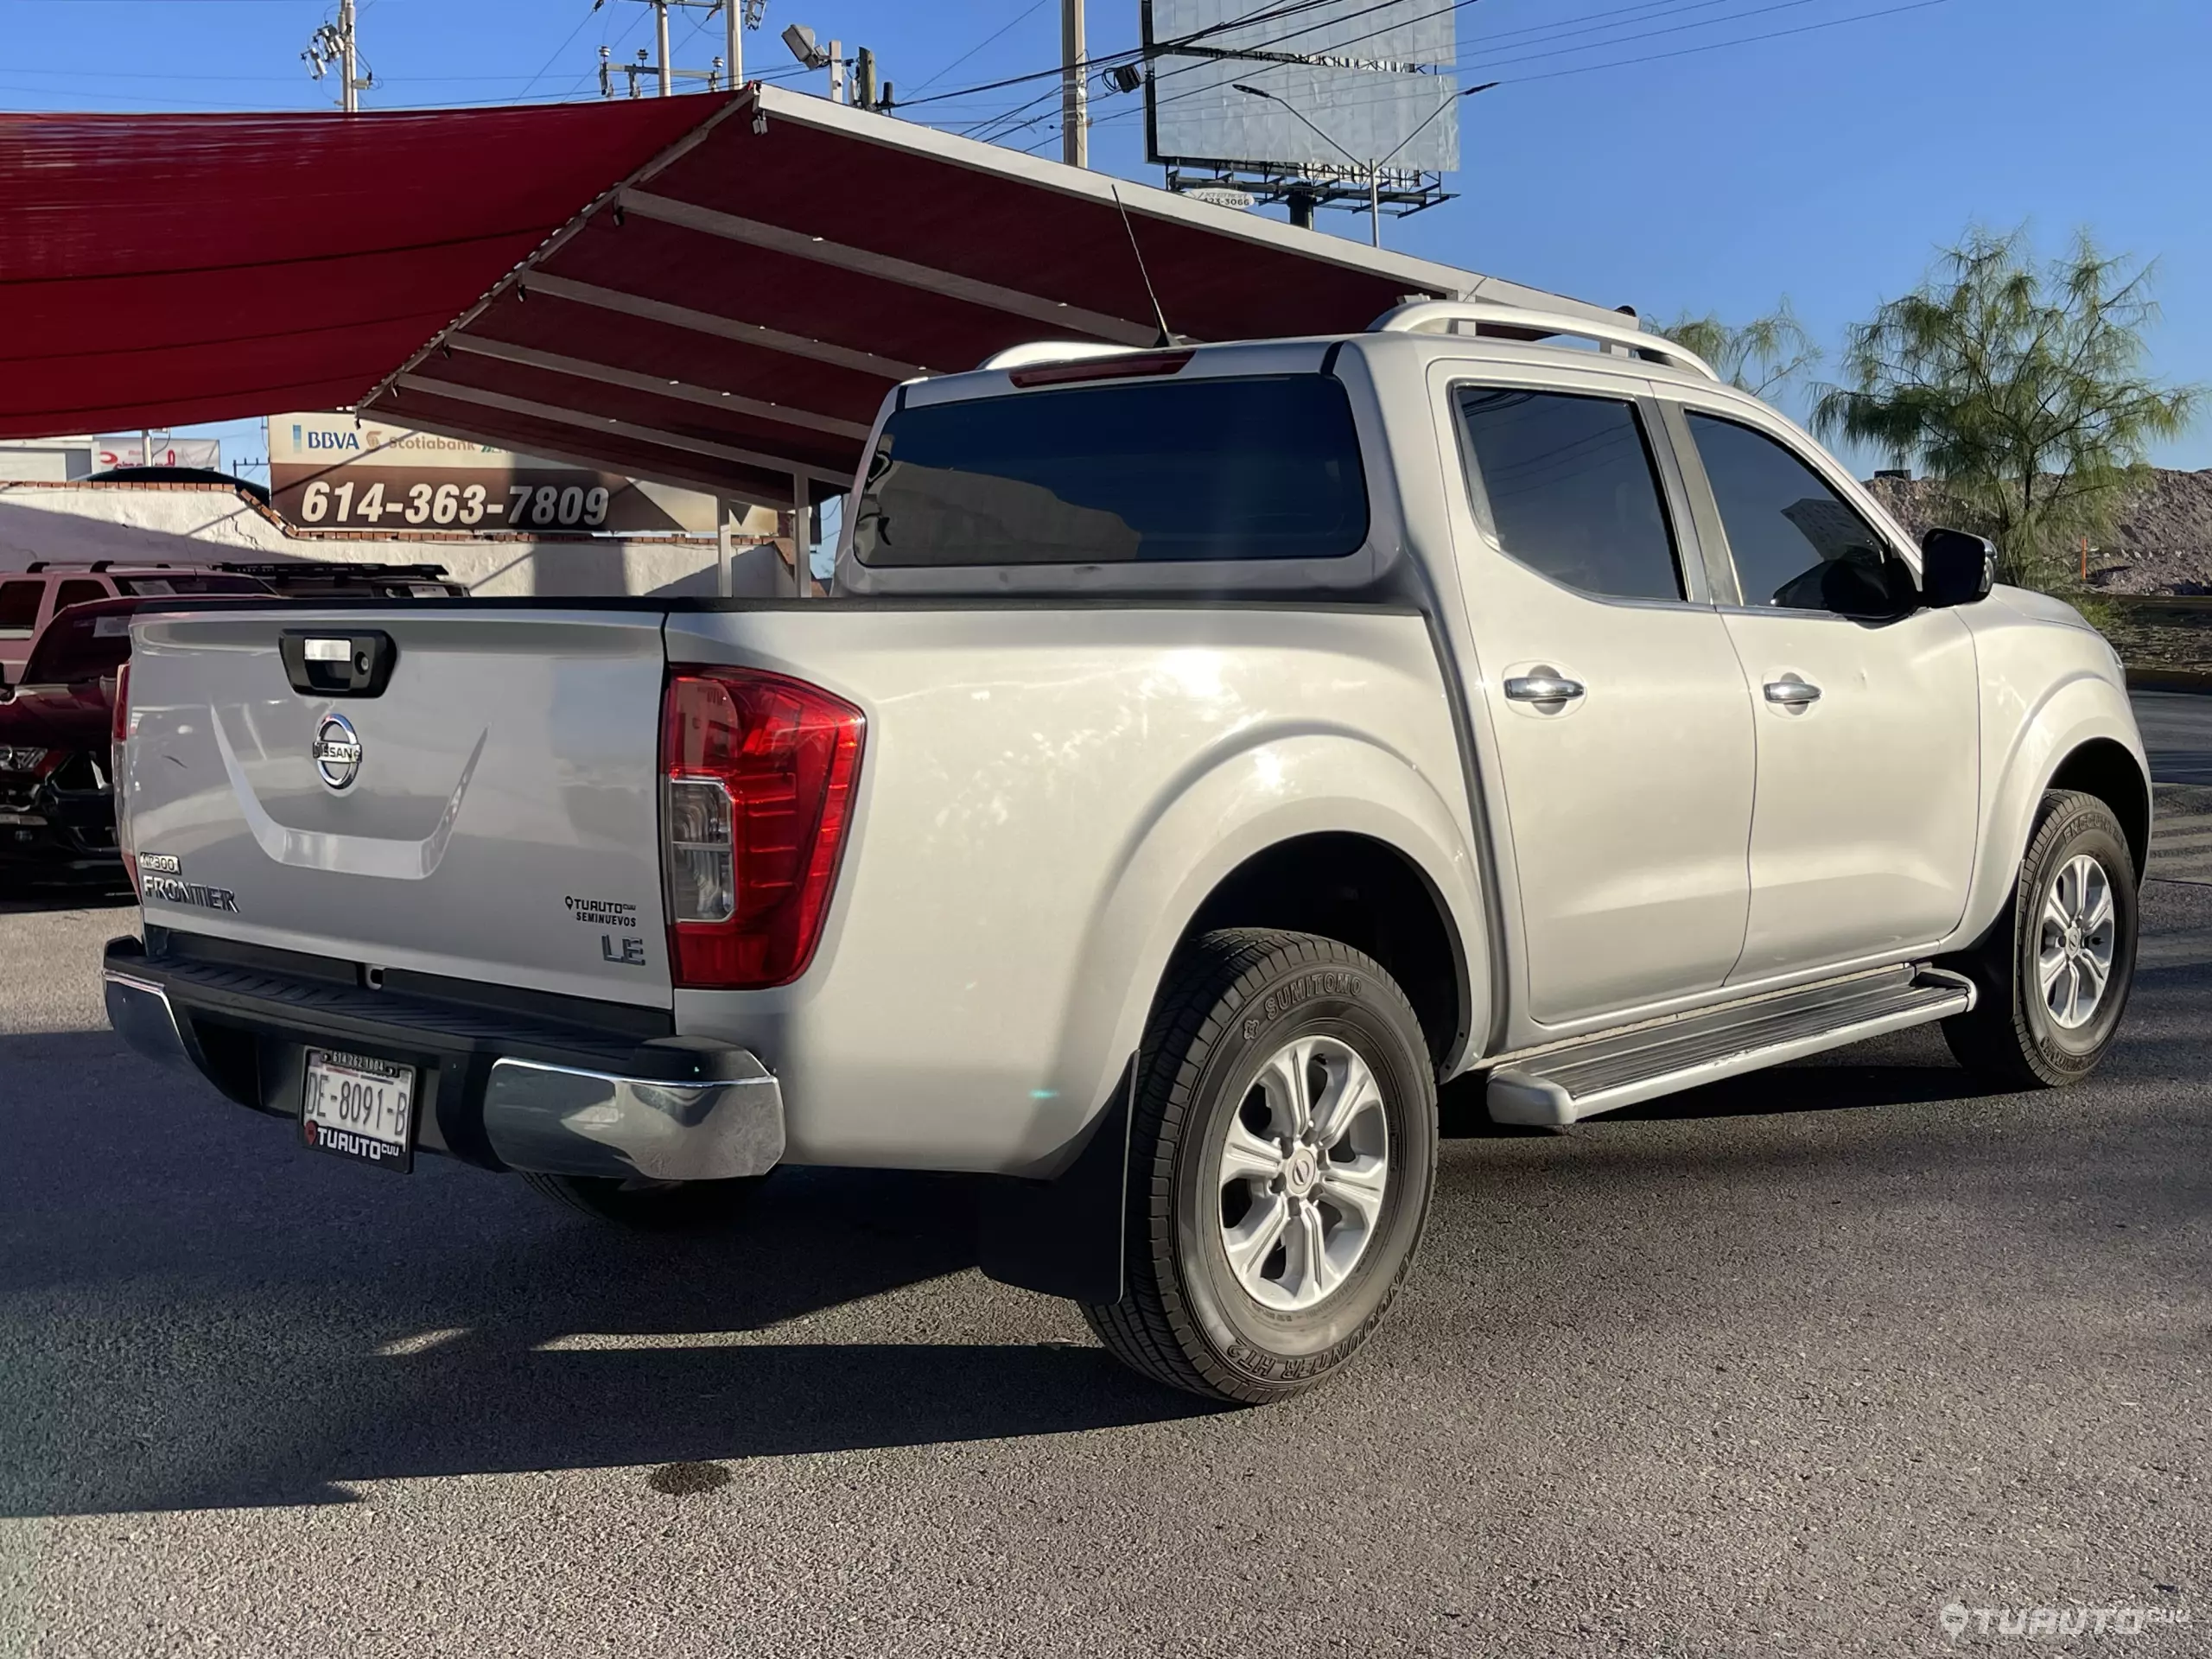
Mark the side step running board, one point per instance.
(1605, 1073)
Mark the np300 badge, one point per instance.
(337, 751)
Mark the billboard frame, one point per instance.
(1401, 192)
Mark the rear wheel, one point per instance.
(648, 1205)
(2053, 976)
(1282, 1152)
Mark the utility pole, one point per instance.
(1075, 119)
(734, 46)
(335, 43)
(660, 42)
(348, 84)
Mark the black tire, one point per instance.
(2012, 1037)
(650, 1206)
(1231, 1002)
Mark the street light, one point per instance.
(1374, 168)
(800, 39)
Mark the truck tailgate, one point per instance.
(500, 824)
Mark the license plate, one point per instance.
(359, 1107)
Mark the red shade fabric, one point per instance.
(161, 269)
(713, 290)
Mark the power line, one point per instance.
(1022, 17)
(1264, 14)
(1658, 57)
(583, 24)
(1167, 48)
(1715, 46)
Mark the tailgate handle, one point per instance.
(338, 662)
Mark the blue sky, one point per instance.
(1827, 163)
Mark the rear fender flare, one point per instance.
(1231, 808)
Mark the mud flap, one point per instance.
(1065, 1236)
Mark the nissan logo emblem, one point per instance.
(337, 751)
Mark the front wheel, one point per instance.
(2053, 975)
(1282, 1152)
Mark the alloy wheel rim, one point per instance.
(2077, 936)
(1305, 1167)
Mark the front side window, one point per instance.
(1265, 468)
(1797, 544)
(1572, 490)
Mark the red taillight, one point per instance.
(757, 792)
(118, 736)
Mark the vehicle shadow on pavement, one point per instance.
(252, 1323)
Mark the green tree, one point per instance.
(1760, 357)
(2019, 384)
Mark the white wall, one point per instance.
(199, 523)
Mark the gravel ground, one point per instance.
(1779, 1367)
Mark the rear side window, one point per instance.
(19, 608)
(79, 592)
(1796, 543)
(1265, 468)
(1572, 491)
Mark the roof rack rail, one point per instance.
(323, 569)
(1517, 322)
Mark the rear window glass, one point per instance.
(1252, 468)
(79, 645)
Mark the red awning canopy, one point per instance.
(708, 290)
(161, 269)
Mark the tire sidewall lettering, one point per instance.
(2075, 1051)
(1333, 1000)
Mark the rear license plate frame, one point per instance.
(372, 1143)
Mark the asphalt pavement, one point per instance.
(1783, 1366)
(2176, 727)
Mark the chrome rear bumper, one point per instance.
(139, 1010)
(560, 1120)
(677, 1111)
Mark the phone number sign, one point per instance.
(327, 472)
(384, 499)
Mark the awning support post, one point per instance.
(802, 511)
(725, 550)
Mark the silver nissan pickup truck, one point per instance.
(1208, 753)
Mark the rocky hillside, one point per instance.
(2163, 544)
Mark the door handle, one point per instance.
(1542, 687)
(1792, 693)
